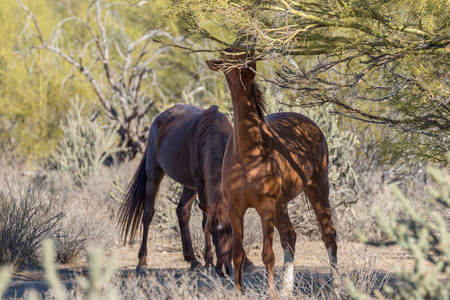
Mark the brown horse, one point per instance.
(187, 143)
(268, 161)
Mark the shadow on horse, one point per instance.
(268, 161)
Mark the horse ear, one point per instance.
(214, 65)
(251, 64)
(204, 208)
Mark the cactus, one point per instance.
(425, 235)
(96, 281)
(84, 146)
(5, 278)
(93, 285)
(50, 270)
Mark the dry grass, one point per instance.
(27, 219)
(368, 267)
(90, 217)
(52, 206)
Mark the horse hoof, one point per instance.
(250, 269)
(141, 270)
(285, 294)
(220, 273)
(336, 282)
(196, 266)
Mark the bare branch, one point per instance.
(125, 106)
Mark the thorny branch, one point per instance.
(342, 54)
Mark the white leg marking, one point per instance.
(333, 268)
(288, 269)
(333, 260)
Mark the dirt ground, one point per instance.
(311, 261)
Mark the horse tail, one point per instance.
(132, 207)
(333, 214)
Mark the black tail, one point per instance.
(130, 214)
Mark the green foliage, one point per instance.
(84, 146)
(32, 97)
(37, 85)
(383, 62)
(425, 235)
(126, 70)
(26, 221)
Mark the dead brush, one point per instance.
(88, 213)
(27, 219)
(253, 238)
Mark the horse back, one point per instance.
(298, 133)
(176, 138)
(301, 146)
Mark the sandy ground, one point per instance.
(308, 255)
(311, 260)
(165, 257)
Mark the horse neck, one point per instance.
(249, 123)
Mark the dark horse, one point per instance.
(267, 163)
(186, 143)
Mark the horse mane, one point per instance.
(218, 214)
(255, 95)
(212, 149)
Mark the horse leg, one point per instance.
(267, 215)
(154, 177)
(237, 224)
(208, 255)
(249, 267)
(184, 214)
(288, 238)
(317, 191)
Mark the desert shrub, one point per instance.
(88, 213)
(424, 234)
(27, 219)
(81, 226)
(253, 235)
(84, 145)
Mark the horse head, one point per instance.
(238, 66)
